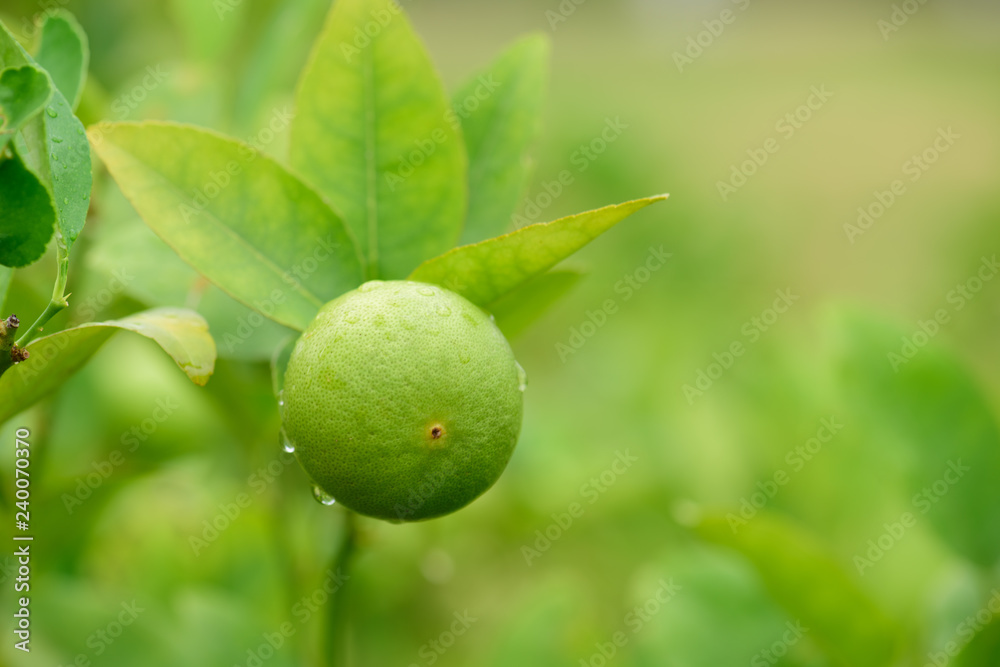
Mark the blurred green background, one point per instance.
(618, 395)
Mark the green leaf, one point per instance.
(935, 404)
(235, 215)
(181, 333)
(6, 278)
(519, 308)
(812, 587)
(27, 217)
(24, 91)
(501, 111)
(65, 54)
(485, 271)
(375, 135)
(56, 150)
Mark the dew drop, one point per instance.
(370, 286)
(426, 291)
(286, 442)
(493, 318)
(322, 496)
(52, 112)
(65, 200)
(444, 311)
(522, 377)
(55, 157)
(57, 140)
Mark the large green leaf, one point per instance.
(65, 54)
(374, 133)
(906, 386)
(812, 587)
(500, 110)
(236, 216)
(485, 271)
(27, 217)
(181, 333)
(55, 148)
(519, 308)
(24, 91)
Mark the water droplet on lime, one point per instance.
(426, 291)
(522, 377)
(322, 496)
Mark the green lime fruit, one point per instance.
(402, 401)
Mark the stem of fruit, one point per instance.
(338, 634)
(58, 301)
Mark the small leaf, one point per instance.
(27, 217)
(929, 398)
(812, 587)
(56, 150)
(235, 215)
(486, 271)
(519, 308)
(500, 110)
(375, 135)
(24, 91)
(65, 54)
(181, 333)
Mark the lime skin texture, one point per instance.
(403, 401)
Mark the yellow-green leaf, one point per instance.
(485, 271)
(181, 333)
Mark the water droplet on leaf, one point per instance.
(52, 112)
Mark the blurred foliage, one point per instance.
(126, 539)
